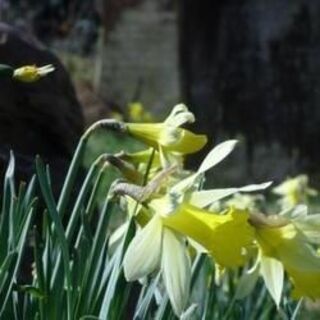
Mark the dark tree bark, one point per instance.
(253, 68)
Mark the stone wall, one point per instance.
(139, 57)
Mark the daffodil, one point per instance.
(161, 246)
(158, 247)
(230, 238)
(168, 137)
(32, 73)
(137, 113)
(285, 245)
(294, 191)
(283, 241)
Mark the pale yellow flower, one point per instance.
(294, 191)
(230, 237)
(168, 137)
(32, 73)
(137, 113)
(292, 248)
(167, 210)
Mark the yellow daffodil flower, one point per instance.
(294, 191)
(229, 238)
(160, 244)
(137, 113)
(291, 247)
(32, 73)
(168, 137)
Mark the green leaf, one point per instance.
(49, 200)
(147, 294)
(247, 282)
(34, 291)
(116, 277)
(6, 71)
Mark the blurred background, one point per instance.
(247, 69)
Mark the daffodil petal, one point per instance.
(188, 142)
(176, 270)
(248, 281)
(255, 187)
(216, 155)
(149, 133)
(117, 236)
(310, 227)
(179, 116)
(273, 276)
(144, 251)
(205, 198)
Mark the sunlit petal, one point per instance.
(187, 142)
(176, 270)
(216, 155)
(205, 198)
(179, 116)
(143, 254)
(273, 276)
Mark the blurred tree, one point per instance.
(253, 68)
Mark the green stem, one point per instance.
(77, 159)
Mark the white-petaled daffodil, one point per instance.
(160, 246)
(282, 243)
(294, 191)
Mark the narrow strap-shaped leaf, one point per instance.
(144, 306)
(116, 273)
(20, 249)
(48, 197)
